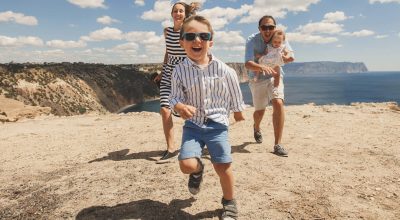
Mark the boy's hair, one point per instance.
(190, 9)
(279, 32)
(197, 18)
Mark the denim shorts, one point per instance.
(212, 134)
(261, 92)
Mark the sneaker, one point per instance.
(195, 179)
(258, 136)
(229, 210)
(167, 157)
(280, 151)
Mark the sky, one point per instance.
(131, 31)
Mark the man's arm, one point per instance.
(250, 64)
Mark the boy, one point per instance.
(204, 90)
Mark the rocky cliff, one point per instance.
(75, 88)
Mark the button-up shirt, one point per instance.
(214, 90)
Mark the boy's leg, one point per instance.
(224, 171)
(189, 155)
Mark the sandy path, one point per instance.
(344, 163)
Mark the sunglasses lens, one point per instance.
(267, 27)
(205, 36)
(189, 36)
(192, 36)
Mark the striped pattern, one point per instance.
(214, 90)
(176, 54)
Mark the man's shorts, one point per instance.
(261, 92)
(212, 134)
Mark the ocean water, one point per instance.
(340, 89)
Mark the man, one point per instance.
(261, 89)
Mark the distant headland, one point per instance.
(76, 88)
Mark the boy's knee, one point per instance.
(222, 168)
(188, 165)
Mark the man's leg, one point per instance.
(278, 119)
(257, 117)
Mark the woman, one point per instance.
(174, 54)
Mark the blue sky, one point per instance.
(130, 31)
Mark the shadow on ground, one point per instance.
(123, 155)
(145, 209)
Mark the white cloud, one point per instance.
(310, 39)
(339, 46)
(106, 33)
(381, 36)
(278, 9)
(362, 33)
(398, 35)
(228, 38)
(88, 3)
(220, 17)
(335, 16)
(126, 47)
(160, 12)
(383, 1)
(107, 20)
(18, 18)
(321, 27)
(20, 41)
(146, 38)
(66, 44)
(139, 2)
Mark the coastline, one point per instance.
(343, 163)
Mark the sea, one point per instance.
(341, 89)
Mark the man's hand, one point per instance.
(238, 116)
(185, 111)
(264, 69)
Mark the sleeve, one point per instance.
(176, 94)
(289, 48)
(249, 51)
(236, 102)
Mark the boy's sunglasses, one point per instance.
(192, 36)
(267, 27)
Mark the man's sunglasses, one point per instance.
(192, 36)
(267, 27)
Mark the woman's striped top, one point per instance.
(172, 43)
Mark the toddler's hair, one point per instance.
(279, 32)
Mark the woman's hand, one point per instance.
(157, 78)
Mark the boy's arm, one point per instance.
(236, 102)
(176, 96)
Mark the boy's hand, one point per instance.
(185, 111)
(238, 116)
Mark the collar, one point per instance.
(191, 63)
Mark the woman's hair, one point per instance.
(279, 32)
(264, 17)
(197, 18)
(190, 9)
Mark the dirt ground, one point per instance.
(344, 163)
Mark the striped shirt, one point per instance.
(174, 49)
(213, 90)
